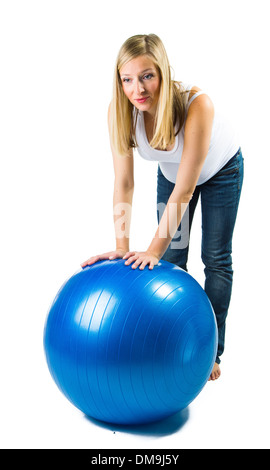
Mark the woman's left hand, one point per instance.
(141, 258)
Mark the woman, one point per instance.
(198, 154)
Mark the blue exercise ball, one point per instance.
(130, 346)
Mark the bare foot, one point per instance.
(215, 372)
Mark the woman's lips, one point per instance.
(142, 100)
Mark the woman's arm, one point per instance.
(198, 129)
(122, 203)
(122, 199)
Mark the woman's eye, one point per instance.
(148, 76)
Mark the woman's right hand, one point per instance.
(111, 255)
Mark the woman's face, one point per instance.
(141, 83)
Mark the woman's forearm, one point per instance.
(169, 223)
(122, 205)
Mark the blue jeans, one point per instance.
(219, 204)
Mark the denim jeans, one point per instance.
(219, 204)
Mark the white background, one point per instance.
(57, 60)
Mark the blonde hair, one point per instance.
(171, 103)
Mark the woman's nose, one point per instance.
(139, 87)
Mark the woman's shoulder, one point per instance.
(193, 90)
(200, 104)
(198, 95)
(187, 90)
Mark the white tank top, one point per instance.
(223, 146)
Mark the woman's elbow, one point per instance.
(124, 184)
(188, 196)
(184, 195)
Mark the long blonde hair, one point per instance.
(171, 103)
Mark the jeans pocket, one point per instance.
(229, 171)
(232, 166)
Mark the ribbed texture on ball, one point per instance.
(129, 346)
